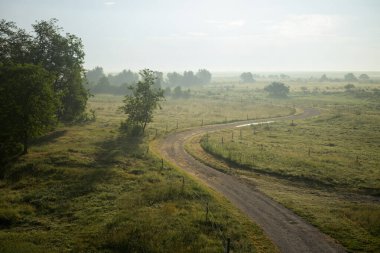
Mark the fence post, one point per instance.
(162, 163)
(207, 212)
(177, 123)
(228, 245)
(183, 184)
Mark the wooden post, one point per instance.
(183, 185)
(222, 140)
(241, 136)
(309, 151)
(166, 128)
(207, 212)
(232, 135)
(156, 132)
(177, 123)
(202, 123)
(247, 116)
(162, 163)
(147, 150)
(228, 245)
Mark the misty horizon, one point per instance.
(222, 36)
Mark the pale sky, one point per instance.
(236, 35)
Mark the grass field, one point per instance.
(324, 168)
(87, 188)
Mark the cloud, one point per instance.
(314, 25)
(197, 34)
(109, 3)
(227, 24)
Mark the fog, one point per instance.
(239, 35)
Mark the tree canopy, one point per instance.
(277, 89)
(350, 77)
(27, 105)
(202, 77)
(363, 77)
(61, 55)
(143, 100)
(246, 77)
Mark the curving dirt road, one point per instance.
(287, 230)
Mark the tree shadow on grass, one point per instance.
(49, 138)
(123, 145)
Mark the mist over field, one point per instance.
(238, 35)
(189, 126)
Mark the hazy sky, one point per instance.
(236, 35)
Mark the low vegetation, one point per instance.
(87, 188)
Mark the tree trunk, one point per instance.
(25, 143)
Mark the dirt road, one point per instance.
(287, 230)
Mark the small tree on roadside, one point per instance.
(277, 89)
(140, 104)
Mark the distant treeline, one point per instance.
(98, 82)
(248, 77)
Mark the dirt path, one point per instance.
(287, 230)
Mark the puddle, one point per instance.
(256, 123)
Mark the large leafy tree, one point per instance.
(277, 89)
(140, 104)
(27, 105)
(61, 55)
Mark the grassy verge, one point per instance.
(89, 189)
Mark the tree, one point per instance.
(350, 77)
(61, 55)
(204, 76)
(93, 76)
(27, 104)
(323, 78)
(174, 79)
(125, 76)
(349, 87)
(247, 77)
(363, 77)
(277, 89)
(143, 100)
(189, 78)
(102, 86)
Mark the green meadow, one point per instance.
(324, 168)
